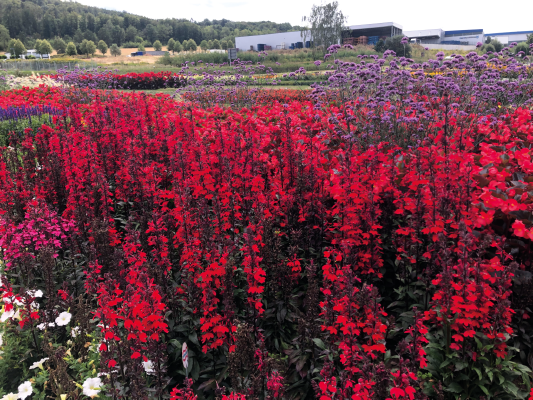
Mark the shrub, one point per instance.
(394, 44)
(498, 46)
(522, 46)
(489, 48)
(130, 45)
(115, 50)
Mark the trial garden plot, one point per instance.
(370, 238)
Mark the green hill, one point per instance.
(48, 19)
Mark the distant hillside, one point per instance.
(48, 19)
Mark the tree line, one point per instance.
(29, 21)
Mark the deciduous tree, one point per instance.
(102, 46)
(170, 45)
(4, 37)
(327, 24)
(71, 49)
(59, 45)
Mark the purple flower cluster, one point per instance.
(23, 112)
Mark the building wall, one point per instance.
(275, 39)
(510, 37)
(470, 37)
(439, 46)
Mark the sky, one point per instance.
(491, 16)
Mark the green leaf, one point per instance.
(479, 373)
(319, 343)
(510, 387)
(460, 365)
(489, 374)
(454, 387)
(485, 390)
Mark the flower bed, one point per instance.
(308, 245)
(96, 79)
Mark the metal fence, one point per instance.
(39, 65)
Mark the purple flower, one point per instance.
(479, 44)
(318, 62)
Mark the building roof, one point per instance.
(426, 33)
(272, 34)
(378, 25)
(461, 31)
(508, 33)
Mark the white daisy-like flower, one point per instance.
(92, 386)
(39, 364)
(148, 366)
(25, 390)
(75, 331)
(6, 315)
(10, 396)
(63, 319)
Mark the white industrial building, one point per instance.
(277, 41)
(371, 33)
(428, 36)
(298, 39)
(464, 37)
(510, 37)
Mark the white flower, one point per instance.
(39, 364)
(25, 390)
(18, 303)
(17, 315)
(35, 293)
(44, 325)
(75, 331)
(10, 396)
(63, 319)
(148, 366)
(1, 341)
(6, 315)
(92, 386)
